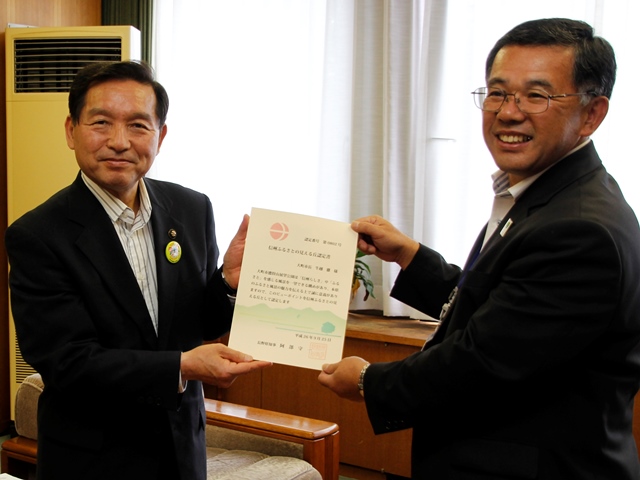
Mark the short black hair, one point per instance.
(100, 72)
(595, 66)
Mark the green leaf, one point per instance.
(362, 271)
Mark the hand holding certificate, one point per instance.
(295, 288)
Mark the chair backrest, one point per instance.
(26, 413)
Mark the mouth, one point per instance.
(115, 160)
(509, 138)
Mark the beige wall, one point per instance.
(41, 13)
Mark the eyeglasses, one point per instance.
(491, 99)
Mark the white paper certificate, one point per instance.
(294, 291)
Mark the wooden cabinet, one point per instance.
(297, 391)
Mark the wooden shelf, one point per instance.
(401, 331)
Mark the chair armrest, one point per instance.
(319, 439)
(18, 457)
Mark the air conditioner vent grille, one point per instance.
(22, 368)
(45, 65)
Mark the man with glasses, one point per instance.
(533, 370)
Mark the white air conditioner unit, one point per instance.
(40, 66)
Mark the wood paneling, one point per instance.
(51, 13)
(42, 13)
(80, 12)
(32, 12)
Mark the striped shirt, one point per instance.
(134, 232)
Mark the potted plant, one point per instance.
(361, 276)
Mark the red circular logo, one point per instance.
(279, 231)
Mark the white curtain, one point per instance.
(245, 85)
(382, 62)
(345, 108)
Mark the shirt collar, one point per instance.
(501, 179)
(115, 208)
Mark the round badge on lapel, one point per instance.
(173, 252)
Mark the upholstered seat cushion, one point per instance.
(248, 465)
(234, 455)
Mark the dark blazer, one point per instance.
(111, 400)
(532, 374)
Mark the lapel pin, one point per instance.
(506, 228)
(172, 234)
(173, 252)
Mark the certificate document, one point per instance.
(295, 287)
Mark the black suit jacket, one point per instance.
(111, 398)
(532, 374)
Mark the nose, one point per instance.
(119, 139)
(510, 107)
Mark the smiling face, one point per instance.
(117, 136)
(525, 144)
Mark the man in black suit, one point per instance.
(115, 285)
(533, 370)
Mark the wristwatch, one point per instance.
(361, 379)
(230, 291)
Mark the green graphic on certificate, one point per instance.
(294, 292)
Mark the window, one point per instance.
(272, 106)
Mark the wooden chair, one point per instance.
(319, 439)
(229, 426)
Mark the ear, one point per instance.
(595, 112)
(68, 129)
(163, 133)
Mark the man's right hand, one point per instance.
(378, 237)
